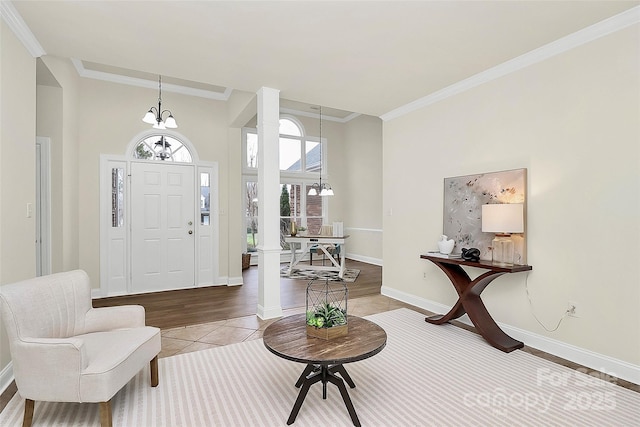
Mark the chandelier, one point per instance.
(162, 149)
(154, 115)
(320, 188)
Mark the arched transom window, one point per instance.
(162, 148)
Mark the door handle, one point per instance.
(190, 231)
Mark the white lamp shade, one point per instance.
(503, 218)
(312, 192)
(170, 122)
(149, 117)
(159, 125)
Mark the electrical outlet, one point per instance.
(424, 275)
(572, 309)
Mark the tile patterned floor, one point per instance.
(215, 334)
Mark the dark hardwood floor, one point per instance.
(172, 309)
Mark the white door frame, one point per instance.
(43, 206)
(115, 242)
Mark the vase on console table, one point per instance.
(293, 229)
(445, 246)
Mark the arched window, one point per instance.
(299, 168)
(162, 148)
(299, 154)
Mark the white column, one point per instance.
(269, 204)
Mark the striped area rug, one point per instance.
(427, 375)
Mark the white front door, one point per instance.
(162, 226)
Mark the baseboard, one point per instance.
(265, 313)
(599, 362)
(6, 377)
(362, 258)
(235, 281)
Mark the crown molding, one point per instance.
(134, 81)
(586, 35)
(20, 29)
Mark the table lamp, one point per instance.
(503, 219)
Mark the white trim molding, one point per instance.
(586, 35)
(599, 362)
(368, 230)
(20, 29)
(363, 258)
(6, 377)
(317, 116)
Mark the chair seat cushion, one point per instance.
(114, 357)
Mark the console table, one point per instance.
(469, 297)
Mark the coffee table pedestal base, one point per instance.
(325, 373)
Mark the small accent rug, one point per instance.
(427, 375)
(350, 274)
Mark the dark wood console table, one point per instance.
(469, 297)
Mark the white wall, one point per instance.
(17, 166)
(363, 184)
(572, 121)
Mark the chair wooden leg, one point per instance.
(28, 413)
(154, 372)
(105, 414)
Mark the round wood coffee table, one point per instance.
(287, 338)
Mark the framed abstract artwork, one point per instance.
(463, 200)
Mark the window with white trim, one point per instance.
(300, 157)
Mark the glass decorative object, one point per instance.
(326, 309)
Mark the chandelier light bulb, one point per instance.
(170, 122)
(149, 117)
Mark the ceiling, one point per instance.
(367, 57)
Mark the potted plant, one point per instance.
(326, 309)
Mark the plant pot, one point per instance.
(328, 333)
(246, 261)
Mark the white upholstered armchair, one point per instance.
(64, 350)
